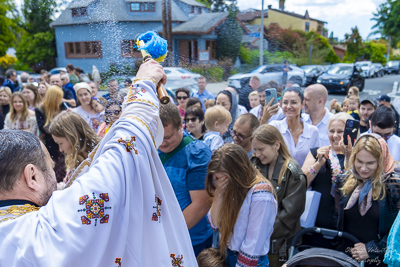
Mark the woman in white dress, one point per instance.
(299, 137)
(85, 110)
(244, 207)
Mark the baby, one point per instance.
(217, 120)
(354, 103)
(98, 106)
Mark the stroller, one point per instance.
(321, 256)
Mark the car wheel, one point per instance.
(361, 87)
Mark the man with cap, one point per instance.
(385, 100)
(367, 106)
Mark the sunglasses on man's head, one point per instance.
(112, 112)
(182, 97)
(191, 119)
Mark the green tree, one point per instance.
(355, 46)
(37, 44)
(218, 6)
(387, 17)
(375, 51)
(8, 25)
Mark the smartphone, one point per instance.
(269, 94)
(351, 129)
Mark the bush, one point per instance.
(213, 73)
(119, 70)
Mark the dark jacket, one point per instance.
(8, 83)
(388, 209)
(291, 196)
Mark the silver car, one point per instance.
(268, 73)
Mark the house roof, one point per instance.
(202, 24)
(250, 15)
(192, 3)
(305, 16)
(117, 10)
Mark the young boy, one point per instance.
(354, 103)
(253, 99)
(217, 120)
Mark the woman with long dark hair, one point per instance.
(243, 209)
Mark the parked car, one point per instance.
(368, 70)
(392, 66)
(379, 70)
(312, 73)
(340, 77)
(268, 73)
(57, 70)
(180, 74)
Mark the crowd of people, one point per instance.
(239, 167)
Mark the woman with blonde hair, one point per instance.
(75, 139)
(370, 200)
(20, 117)
(5, 96)
(32, 96)
(272, 157)
(52, 105)
(243, 209)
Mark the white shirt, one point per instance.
(213, 140)
(88, 117)
(322, 126)
(125, 185)
(242, 110)
(256, 111)
(255, 223)
(394, 147)
(307, 140)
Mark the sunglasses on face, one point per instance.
(182, 97)
(112, 112)
(191, 119)
(238, 136)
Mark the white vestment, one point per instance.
(121, 212)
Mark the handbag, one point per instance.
(309, 215)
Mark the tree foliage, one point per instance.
(387, 17)
(37, 44)
(8, 26)
(229, 37)
(355, 46)
(375, 51)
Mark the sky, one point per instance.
(341, 15)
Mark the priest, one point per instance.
(118, 210)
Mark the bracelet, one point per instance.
(145, 79)
(312, 171)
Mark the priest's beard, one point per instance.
(48, 191)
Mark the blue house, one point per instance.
(100, 32)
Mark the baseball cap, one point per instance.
(384, 98)
(371, 100)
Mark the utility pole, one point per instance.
(388, 53)
(167, 29)
(262, 34)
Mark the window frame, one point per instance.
(79, 12)
(142, 6)
(133, 53)
(80, 49)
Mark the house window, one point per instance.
(90, 49)
(191, 10)
(143, 7)
(199, 10)
(79, 12)
(128, 49)
(307, 26)
(212, 47)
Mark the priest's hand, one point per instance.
(152, 69)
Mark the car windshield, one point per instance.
(183, 71)
(257, 70)
(344, 70)
(362, 64)
(308, 70)
(392, 63)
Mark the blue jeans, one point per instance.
(231, 259)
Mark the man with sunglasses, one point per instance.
(383, 122)
(242, 131)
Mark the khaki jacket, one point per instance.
(291, 196)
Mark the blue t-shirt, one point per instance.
(213, 140)
(203, 96)
(187, 171)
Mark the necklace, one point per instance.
(293, 132)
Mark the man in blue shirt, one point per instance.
(67, 85)
(185, 160)
(11, 78)
(202, 94)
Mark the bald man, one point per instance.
(315, 97)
